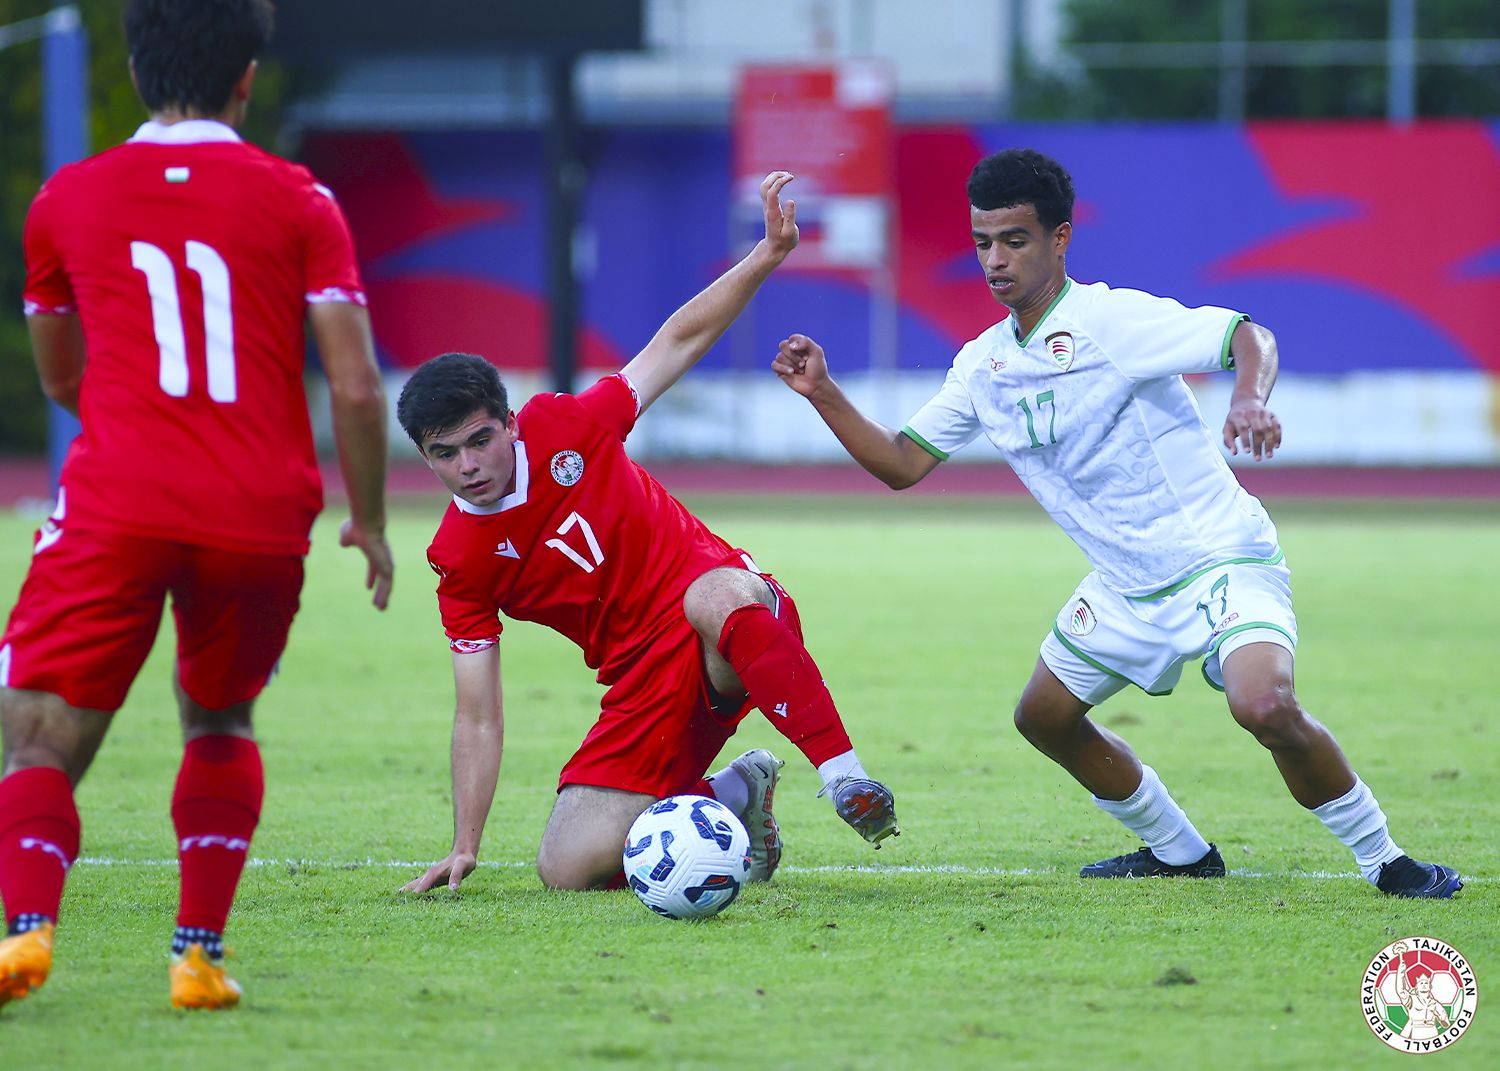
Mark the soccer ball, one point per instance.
(687, 856)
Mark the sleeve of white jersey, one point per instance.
(947, 422)
(1148, 337)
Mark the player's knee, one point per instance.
(1035, 721)
(564, 872)
(710, 599)
(1273, 716)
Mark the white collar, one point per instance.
(515, 498)
(186, 132)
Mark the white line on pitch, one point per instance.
(870, 868)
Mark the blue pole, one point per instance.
(65, 138)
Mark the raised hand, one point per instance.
(781, 217)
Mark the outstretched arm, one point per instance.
(478, 740)
(889, 456)
(1249, 423)
(692, 329)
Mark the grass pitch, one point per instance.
(968, 942)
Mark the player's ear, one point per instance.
(243, 84)
(1062, 236)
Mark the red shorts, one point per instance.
(91, 605)
(658, 728)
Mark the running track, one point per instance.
(23, 479)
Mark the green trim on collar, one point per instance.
(1067, 285)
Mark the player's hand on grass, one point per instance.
(1254, 427)
(781, 217)
(452, 870)
(377, 552)
(801, 365)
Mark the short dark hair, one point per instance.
(444, 392)
(190, 53)
(1023, 177)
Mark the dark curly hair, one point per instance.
(1023, 177)
(189, 53)
(444, 391)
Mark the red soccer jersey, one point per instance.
(588, 543)
(190, 257)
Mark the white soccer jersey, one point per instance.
(1091, 412)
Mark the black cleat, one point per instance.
(1418, 881)
(1142, 864)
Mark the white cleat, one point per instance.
(761, 769)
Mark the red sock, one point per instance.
(39, 834)
(215, 808)
(783, 681)
(703, 788)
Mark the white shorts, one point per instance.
(1102, 641)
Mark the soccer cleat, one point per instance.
(761, 769)
(25, 961)
(867, 806)
(1143, 864)
(1418, 881)
(200, 982)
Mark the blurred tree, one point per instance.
(1292, 90)
(115, 113)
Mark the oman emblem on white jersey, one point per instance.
(1060, 348)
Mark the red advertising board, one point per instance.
(830, 125)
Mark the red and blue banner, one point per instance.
(1363, 246)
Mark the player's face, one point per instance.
(477, 459)
(1021, 259)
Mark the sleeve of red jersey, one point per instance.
(330, 270)
(612, 403)
(471, 623)
(47, 287)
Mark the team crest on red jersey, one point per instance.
(567, 467)
(1060, 349)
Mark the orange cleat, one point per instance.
(200, 982)
(25, 961)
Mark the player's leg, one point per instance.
(48, 747)
(84, 622)
(233, 614)
(585, 836)
(1052, 714)
(752, 643)
(1258, 683)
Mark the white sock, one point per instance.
(840, 767)
(731, 789)
(1153, 815)
(1356, 819)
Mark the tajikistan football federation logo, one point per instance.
(1418, 994)
(567, 467)
(1060, 349)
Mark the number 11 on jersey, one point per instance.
(166, 317)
